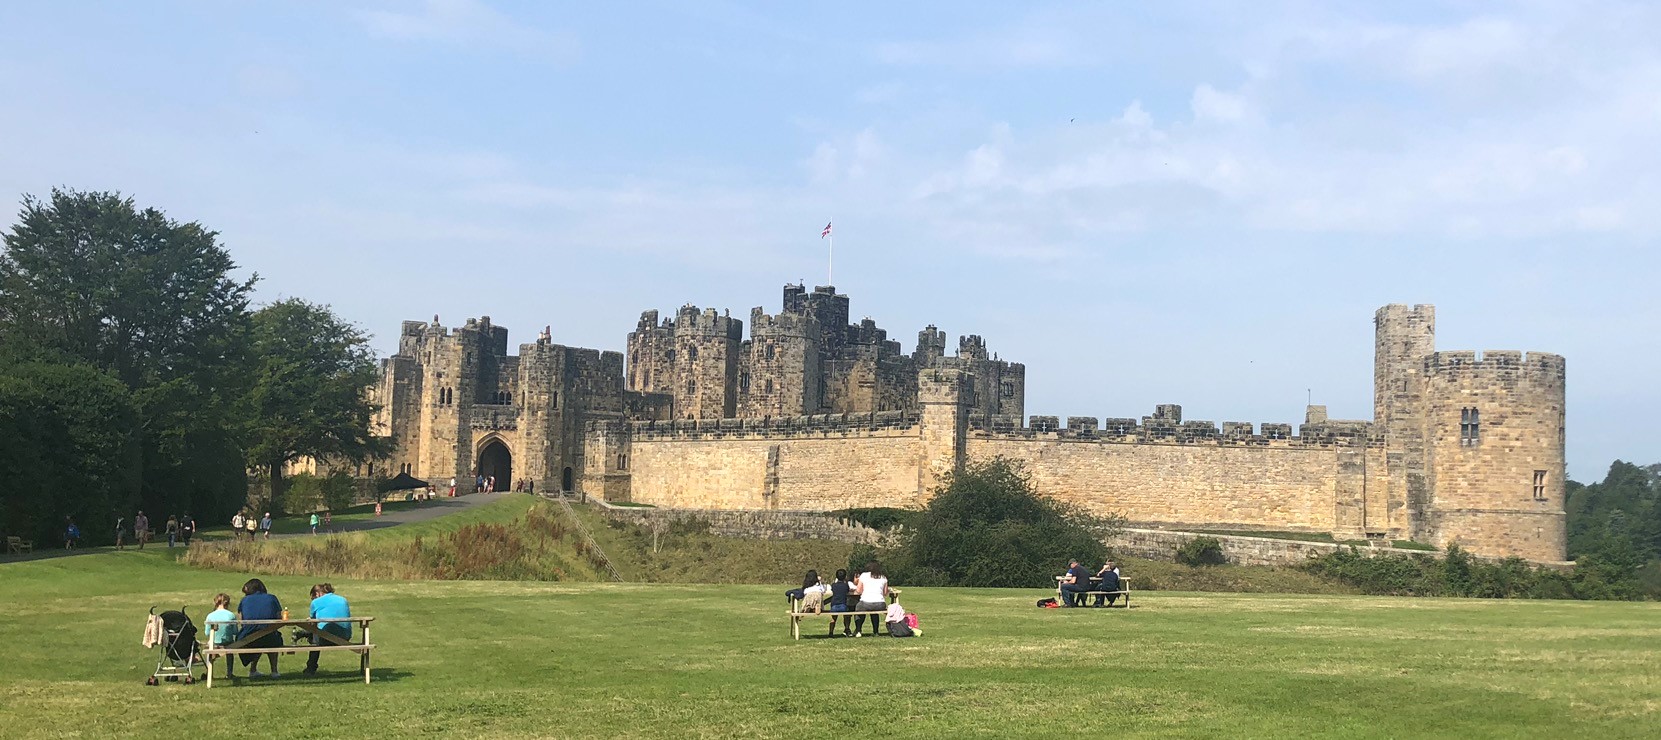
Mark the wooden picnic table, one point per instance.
(1124, 589)
(330, 640)
(800, 609)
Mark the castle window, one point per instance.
(768, 385)
(691, 387)
(1539, 485)
(769, 351)
(1470, 427)
(744, 383)
(553, 400)
(1008, 390)
(670, 355)
(507, 397)
(692, 353)
(622, 462)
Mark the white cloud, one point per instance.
(469, 23)
(1211, 104)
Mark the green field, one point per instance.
(484, 658)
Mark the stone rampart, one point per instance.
(761, 525)
(1157, 544)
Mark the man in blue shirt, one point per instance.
(326, 604)
(1075, 583)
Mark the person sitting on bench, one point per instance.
(1109, 584)
(325, 603)
(1076, 582)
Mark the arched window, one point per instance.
(507, 397)
(692, 353)
(769, 351)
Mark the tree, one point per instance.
(311, 375)
(67, 429)
(987, 526)
(89, 278)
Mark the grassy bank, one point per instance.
(503, 659)
(516, 538)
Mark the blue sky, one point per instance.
(1200, 205)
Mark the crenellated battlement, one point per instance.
(1471, 363)
(1166, 427)
(690, 321)
(763, 324)
(769, 427)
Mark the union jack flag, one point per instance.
(827, 231)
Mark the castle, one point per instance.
(811, 412)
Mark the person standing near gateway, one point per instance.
(326, 604)
(141, 529)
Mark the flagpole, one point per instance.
(830, 260)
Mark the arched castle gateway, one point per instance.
(814, 413)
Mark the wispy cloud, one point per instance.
(470, 23)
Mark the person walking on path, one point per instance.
(314, 523)
(172, 530)
(265, 525)
(236, 526)
(120, 533)
(187, 529)
(141, 529)
(71, 533)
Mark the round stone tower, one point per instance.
(1494, 436)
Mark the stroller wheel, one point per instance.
(151, 681)
(190, 679)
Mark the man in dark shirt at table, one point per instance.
(1110, 583)
(1076, 582)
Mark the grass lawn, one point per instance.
(484, 659)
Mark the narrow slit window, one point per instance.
(1470, 427)
(1539, 485)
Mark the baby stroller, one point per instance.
(178, 648)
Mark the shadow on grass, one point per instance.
(321, 678)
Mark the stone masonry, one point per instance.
(813, 413)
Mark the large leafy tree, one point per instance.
(988, 526)
(68, 447)
(89, 278)
(311, 374)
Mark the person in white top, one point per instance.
(872, 588)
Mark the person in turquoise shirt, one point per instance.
(326, 604)
(314, 531)
(221, 631)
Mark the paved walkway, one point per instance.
(443, 506)
(426, 510)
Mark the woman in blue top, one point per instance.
(257, 604)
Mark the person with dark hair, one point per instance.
(141, 529)
(172, 530)
(326, 604)
(809, 581)
(839, 590)
(1106, 590)
(71, 533)
(872, 588)
(1076, 582)
(258, 604)
(187, 529)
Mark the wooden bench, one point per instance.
(18, 545)
(1124, 590)
(800, 610)
(306, 627)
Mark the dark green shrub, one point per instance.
(1201, 551)
(987, 526)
